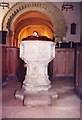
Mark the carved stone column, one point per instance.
(36, 86)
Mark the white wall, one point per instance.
(70, 17)
(3, 12)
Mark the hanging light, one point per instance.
(4, 4)
(67, 6)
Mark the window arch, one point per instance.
(73, 28)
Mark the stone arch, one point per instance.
(54, 14)
(30, 19)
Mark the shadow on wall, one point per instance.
(21, 71)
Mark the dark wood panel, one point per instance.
(71, 63)
(11, 61)
(12, 65)
(63, 63)
(3, 64)
(78, 71)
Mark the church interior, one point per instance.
(59, 23)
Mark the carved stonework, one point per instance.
(39, 55)
(49, 9)
(36, 88)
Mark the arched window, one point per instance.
(35, 33)
(73, 28)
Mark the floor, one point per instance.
(67, 106)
